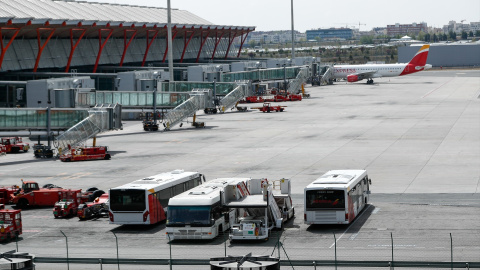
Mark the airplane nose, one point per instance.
(428, 66)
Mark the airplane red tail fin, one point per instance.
(420, 58)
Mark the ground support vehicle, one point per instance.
(254, 99)
(294, 97)
(86, 153)
(95, 209)
(200, 214)
(42, 151)
(6, 193)
(143, 201)
(30, 194)
(15, 144)
(150, 122)
(267, 107)
(266, 208)
(68, 204)
(3, 150)
(337, 197)
(10, 224)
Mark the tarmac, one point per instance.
(418, 136)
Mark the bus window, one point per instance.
(325, 199)
(127, 200)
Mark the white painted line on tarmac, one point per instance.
(353, 236)
(357, 218)
(376, 210)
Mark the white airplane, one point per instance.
(355, 73)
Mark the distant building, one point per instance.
(405, 29)
(459, 27)
(331, 33)
(266, 37)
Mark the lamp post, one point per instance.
(293, 35)
(169, 42)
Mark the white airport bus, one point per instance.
(337, 197)
(143, 201)
(199, 213)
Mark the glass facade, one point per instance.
(37, 118)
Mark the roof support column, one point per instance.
(125, 43)
(101, 45)
(5, 48)
(40, 46)
(149, 43)
(230, 41)
(217, 41)
(174, 34)
(202, 42)
(185, 43)
(74, 46)
(241, 43)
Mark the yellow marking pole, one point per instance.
(94, 141)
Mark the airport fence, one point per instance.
(137, 248)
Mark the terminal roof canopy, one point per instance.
(81, 13)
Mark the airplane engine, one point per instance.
(352, 78)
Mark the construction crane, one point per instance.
(359, 26)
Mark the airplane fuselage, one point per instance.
(379, 70)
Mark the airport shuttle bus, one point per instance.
(199, 213)
(143, 201)
(337, 197)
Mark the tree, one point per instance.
(452, 35)
(464, 35)
(252, 43)
(366, 40)
(421, 35)
(445, 36)
(435, 38)
(477, 33)
(470, 34)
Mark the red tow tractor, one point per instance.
(3, 150)
(267, 107)
(14, 145)
(10, 224)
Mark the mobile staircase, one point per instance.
(232, 98)
(101, 118)
(199, 99)
(296, 84)
(327, 76)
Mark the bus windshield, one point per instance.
(188, 215)
(325, 199)
(127, 200)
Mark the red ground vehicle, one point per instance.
(10, 224)
(3, 150)
(267, 107)
(97, 208)
(6, 193)
(68, 204)
(31, 194)
(86, 153)
(14, 144)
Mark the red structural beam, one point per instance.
(156, 31)
(74, 46)
(5, 48)
(241, 44)
(174, 34)
(217, 41)
(202, 41)
(40, 46)
(125, 43)
(101, 44)
(230, 41)
(185, 43)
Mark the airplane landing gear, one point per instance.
(370, 81)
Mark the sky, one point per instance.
(268, 15)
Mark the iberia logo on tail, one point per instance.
(418, 62)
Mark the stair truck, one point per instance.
(10, 224)
(200, 212)
(264, 209)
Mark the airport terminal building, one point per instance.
(58, 35)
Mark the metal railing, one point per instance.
(359, 250)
